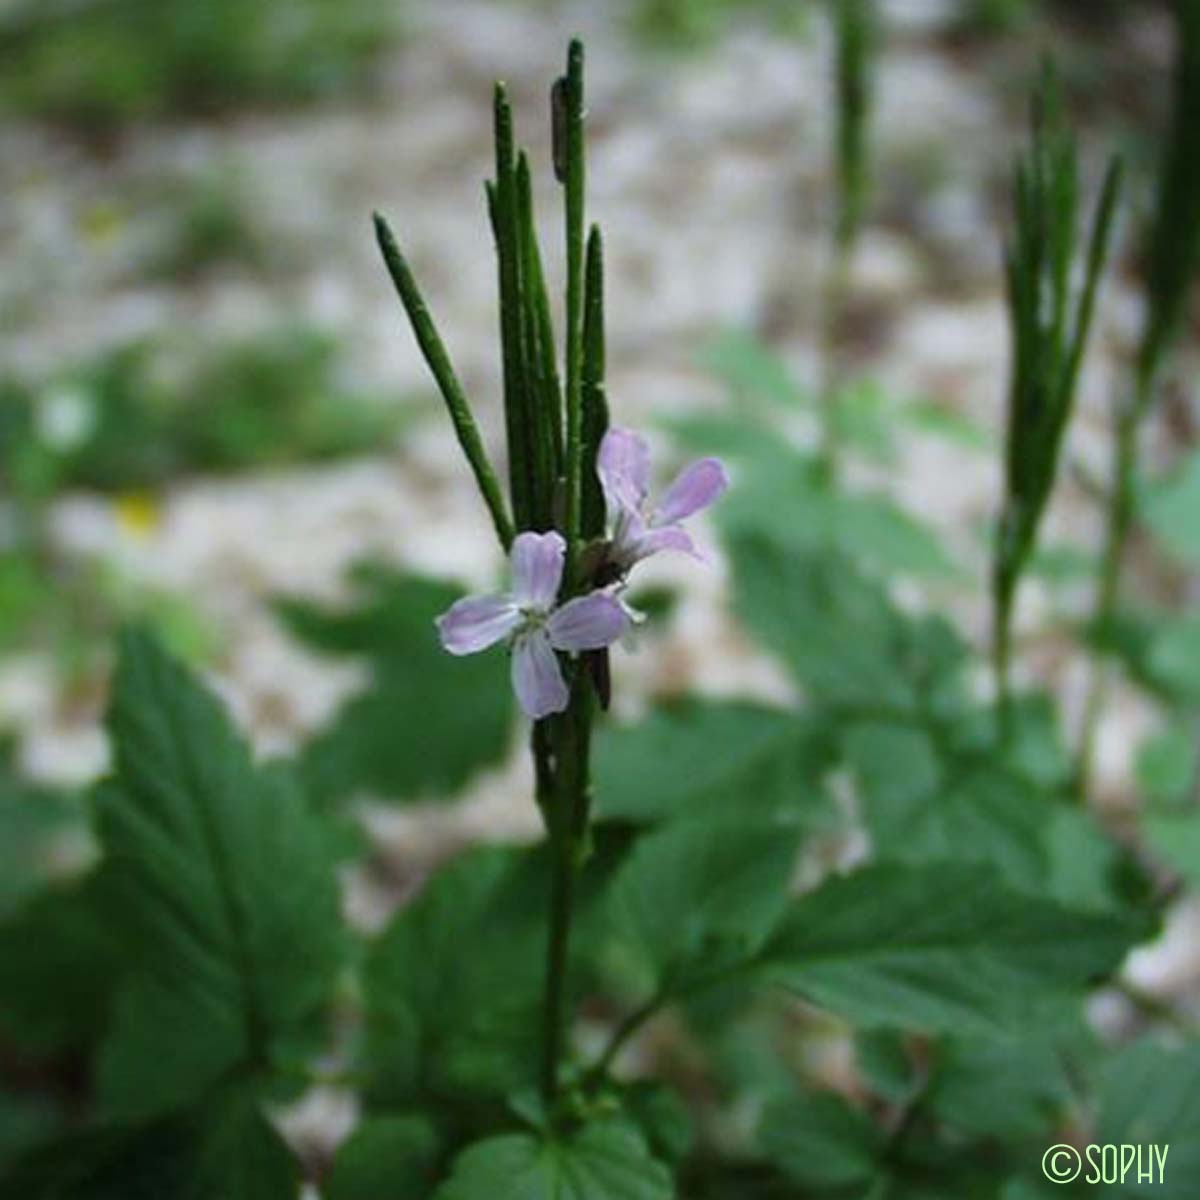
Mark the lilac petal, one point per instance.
(477, 622)
(623, 464)
(537, 567)
(536, 677)
(671, 537)
(695, 487)
(587, 623)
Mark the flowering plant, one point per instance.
(847, 943)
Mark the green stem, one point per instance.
(624, 1031)
(1119, 524)
(667, 993)
(568, 817)
(1002, 653)
(438, 360)
(837, 288)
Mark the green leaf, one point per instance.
(60, 962)
(1086, 868)
(604, 1161)
(661, 1114)
(1166, 765)
(819, 1141)
(1173, 658)
(919, 810)
(934, 418)
(1006, 1088)
(1175, 838)
(222, 1151)
(427, 722)
(217, 876)
(784, 496)
(392, 1156)
(947, 948)
(698, 897)
(453, 984)
(1171, 509)
(663, 767)
(840, 635)
(1151, 1095)
(750, 370)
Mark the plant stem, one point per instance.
(562, 889)
(1002, 653)
(1108, 589)
(624, 1031)
(568, 817)
(837, 287)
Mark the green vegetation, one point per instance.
(101, 62)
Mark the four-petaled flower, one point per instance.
(638, 529)
(537, 626)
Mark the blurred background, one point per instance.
(209, 395)
(210, 399)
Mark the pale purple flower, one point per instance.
(640, 529)
(529, 616)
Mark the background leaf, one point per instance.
(1151, 1094)
(697, 897)
(224, 1150)
(391, 1157)
(427, 722)
(663, 767)
(453, 984)
(946, 947)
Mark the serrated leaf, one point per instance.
(604, 1161)
(939, 948)
(819, 1141)
(1006, 1088)
(1151, 1095)
(216, 873)
(223, 1151)
(387, 1156)
(453, 984)
(427, 721)
(664, 767)
(698, 897)
(919, 810)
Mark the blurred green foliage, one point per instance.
(142, 414)
(697, 22)
(96, 63)
(208, 227)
